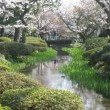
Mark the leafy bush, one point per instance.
(4, 108)
(78, 45)
(102, 55)
(37, 42)
(5, 39)
(95, 42)
(4, 64)
(41, 99)
(14, 81)
(91, 52)
(14, 50)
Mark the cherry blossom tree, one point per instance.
(24, 12)
(86, 20)
(105, 5)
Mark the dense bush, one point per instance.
(15, 81)
(77, 45)
(5, 39)
(41, 99)
(101, 59)
(37, 42)
(95, 42)
(14, 50)
(4, 64)
(4, 108)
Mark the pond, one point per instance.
(48, 74)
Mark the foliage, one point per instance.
(90, 52)
(102, 56)
(14, 50)
(83, 74)
(15, 81)
(77, 45)
(4, 108)
(5, 39)
(41, 99)
(95, 42)
(4, 64)
(86, 20)
(37, 42)
(34, 58)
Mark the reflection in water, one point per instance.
(47, 73)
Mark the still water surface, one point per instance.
(47, 73)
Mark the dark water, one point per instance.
(47, 73)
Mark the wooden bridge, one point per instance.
(59, 42)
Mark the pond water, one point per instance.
(47, 73)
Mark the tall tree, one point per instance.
(85, 21)
(105, 4)
(25, 10)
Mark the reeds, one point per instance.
(80, 72)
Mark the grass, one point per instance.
(80, 72)
(32, 59)
(23, 62)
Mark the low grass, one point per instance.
(33, 58)
(80, 72)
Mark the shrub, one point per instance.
(4, 108)
(91, 52)
(14, 81)
(106, 58)
(5, 39)
(14, 50)
(78, 45)
(4, 64)
(39, 44)
(102, 56)
(95, 42)
(41, 99)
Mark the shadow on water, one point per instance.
(47, 73)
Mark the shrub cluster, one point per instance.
(38, 43)
(21, 93)
(41, 99)
(4, 108)
(15, 81)
(5, 39)
(14, 49)
(4, 64)
(95, 42)
(102, 61)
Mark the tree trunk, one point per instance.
(109, 23)
(2, 30)
(17, 34)
(24, 35)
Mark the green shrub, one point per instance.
(41, 99)
(5, 39)
(4, 108)
(4, 64)
(89, 53)
(106, 58)
(78, 45)
(101, 55)
(15, 81)
(14, 50)
(95, 42)
(38, 43)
